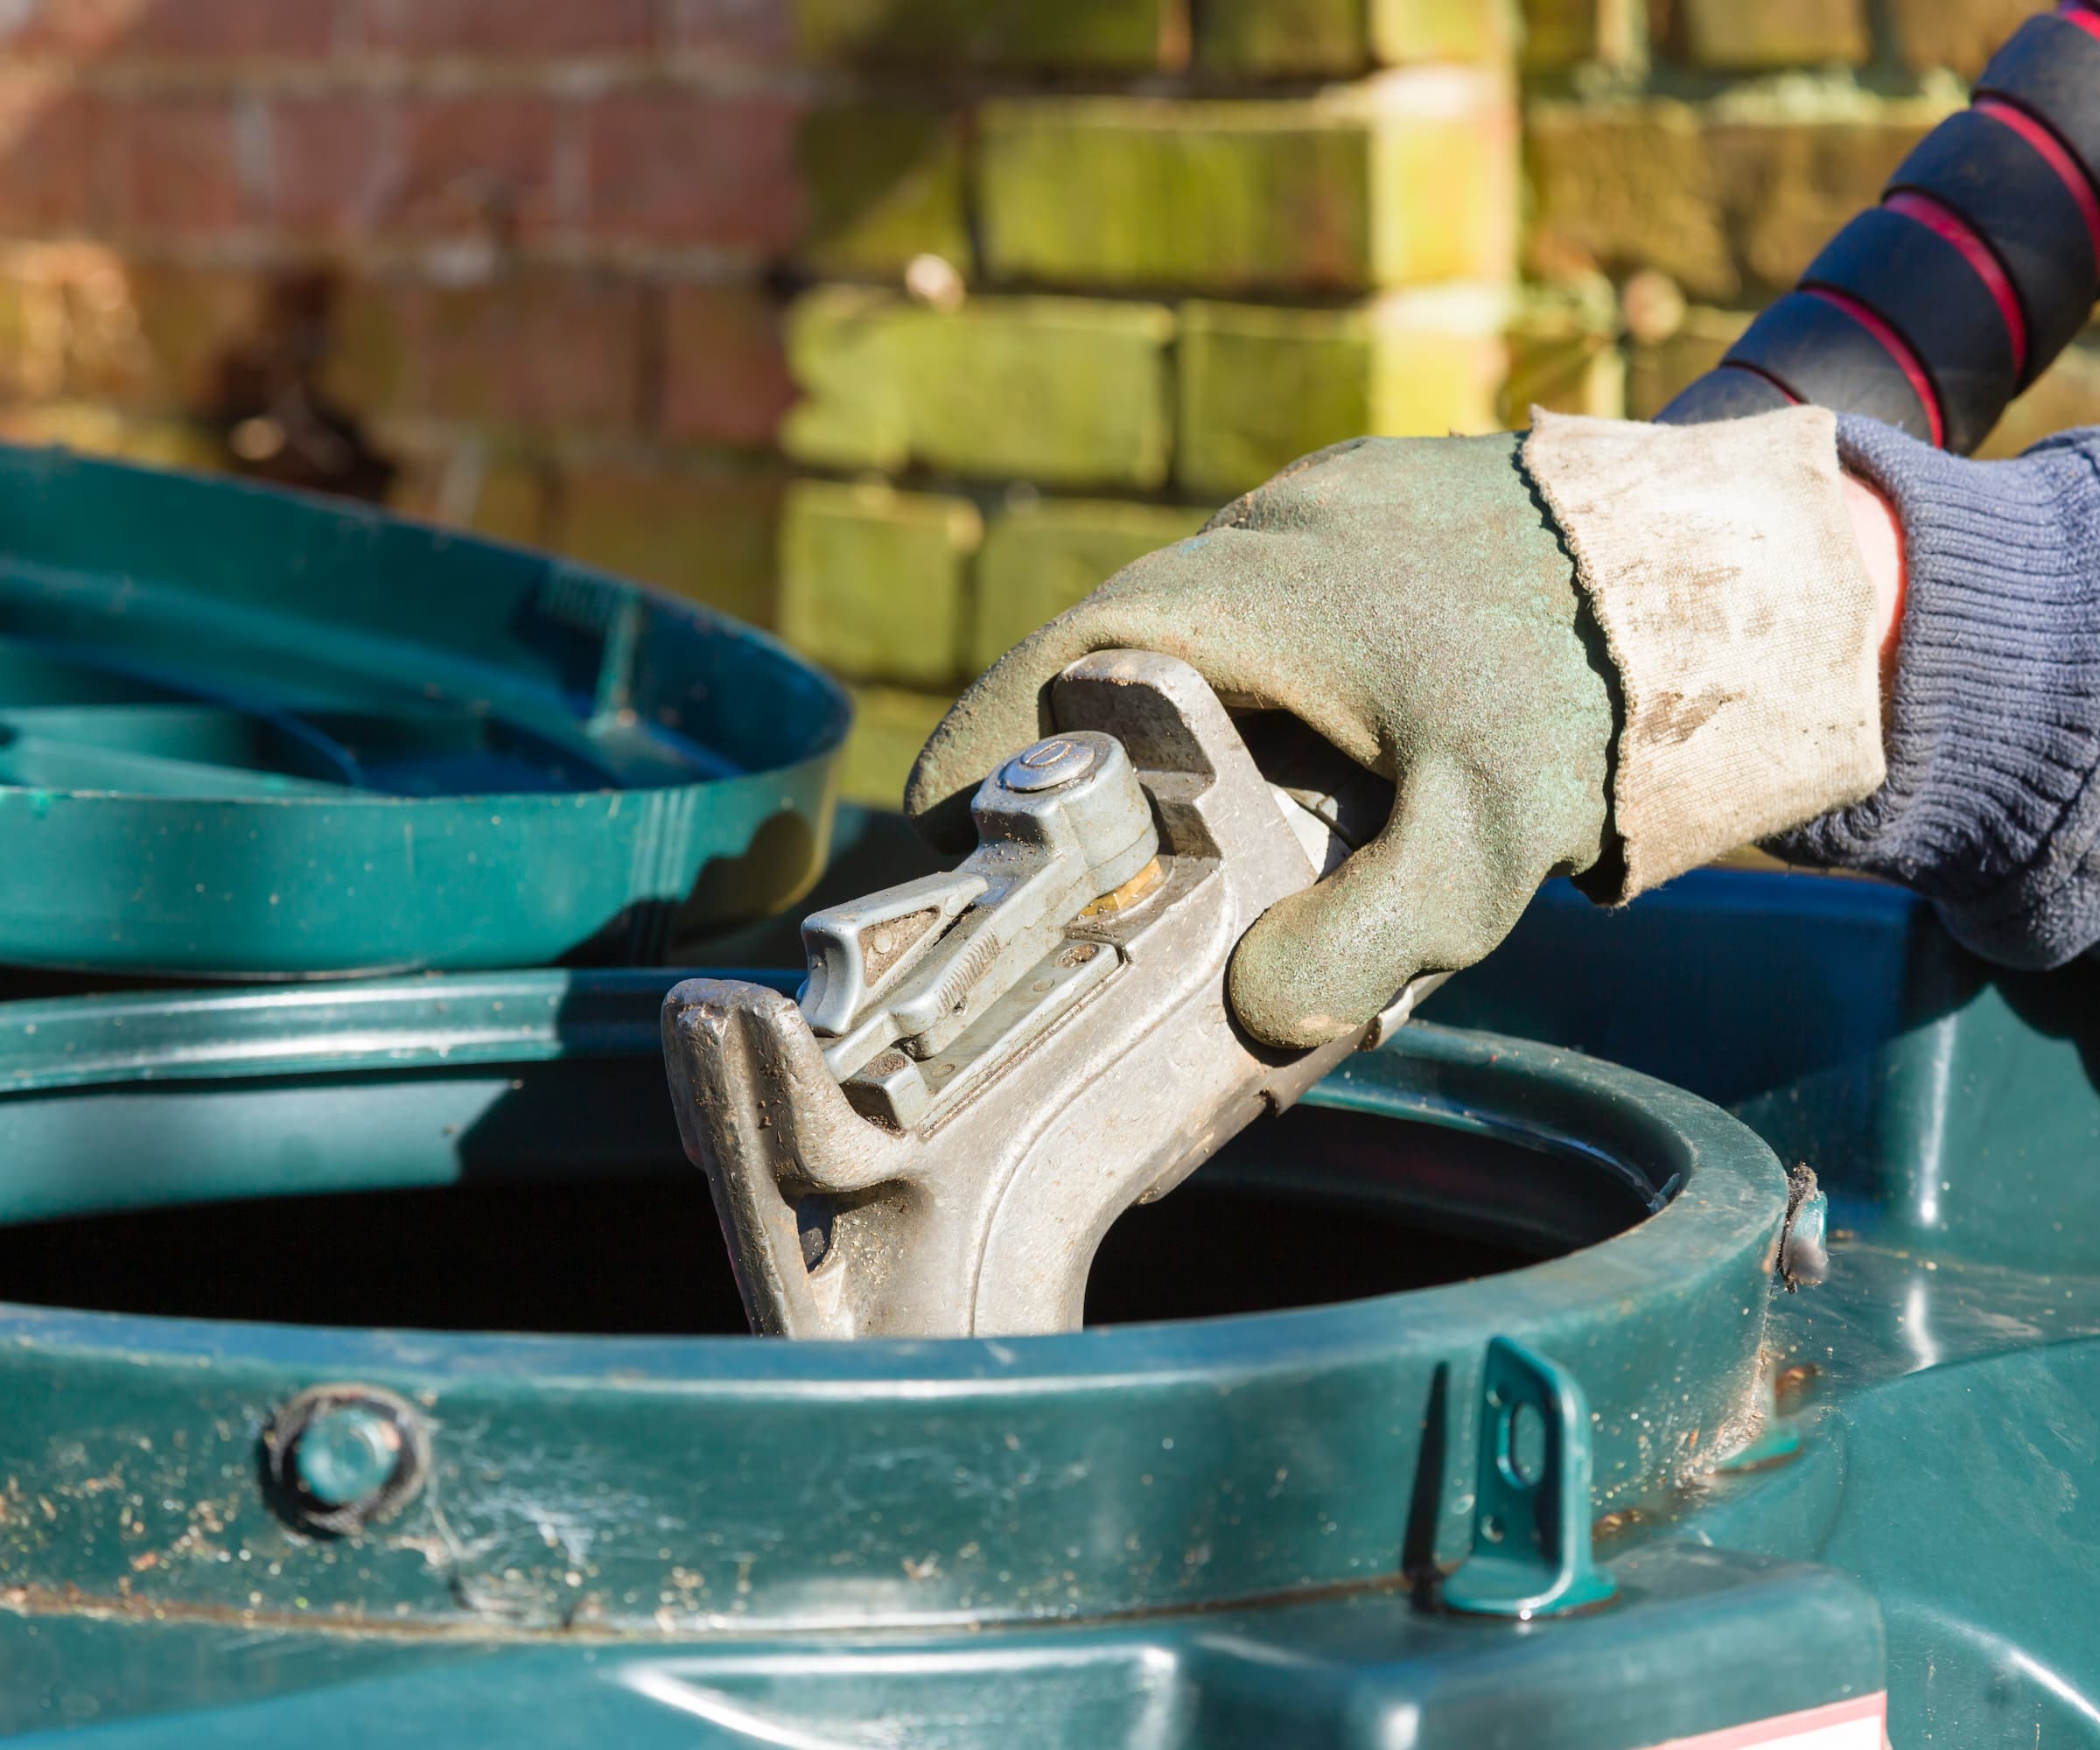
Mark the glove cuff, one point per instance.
(1992, 804)
(1723, 570)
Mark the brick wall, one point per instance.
(899, 324)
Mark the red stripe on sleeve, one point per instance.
(1894, 345)
(1945, 221)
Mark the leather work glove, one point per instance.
(1416, 603)
(1409, 599)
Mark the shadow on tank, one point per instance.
(606, 1246)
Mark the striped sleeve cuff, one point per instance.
(1990, 807)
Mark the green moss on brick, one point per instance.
(1409, 176)
(1564, 356)
(1067, 391)
(1261, 387)
(874, 582)
(1283, 36)
(1656, 371)
(1562, 33)
(1771, 33)
(1148, 193)
(846, 353)
(883, 183)
(1093, 35)
(1403, 31)
(1279, 38)
(504, 493)
(889, 726)
(93, 429)
(704, 533)
(1040, 558)
(1730, 199)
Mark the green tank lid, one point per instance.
(246, 732)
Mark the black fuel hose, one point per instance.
(1933, 310)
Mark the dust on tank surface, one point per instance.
(246, 732)
(457, 1209)
(1224, 1523)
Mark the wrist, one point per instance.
(1880, 533)
(1721, 563)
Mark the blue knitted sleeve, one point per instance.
(1992, 807)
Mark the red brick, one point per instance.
(181, 171)
(69, 27)
(171, 29)
(468, 160)
(78, 161)
(696, 167)
(356, 162)
(752, 32)
(725, 376)
(542, 348)
(334, 159)
(194, 28)
(64, 161)
(502, 27)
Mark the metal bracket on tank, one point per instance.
(1531, 1498)
(987, 1067)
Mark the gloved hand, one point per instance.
(1410, 601)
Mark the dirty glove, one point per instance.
(1422, 605)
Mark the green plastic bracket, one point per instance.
(1531, 1501)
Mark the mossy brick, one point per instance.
(874, 582)
(1960, 35)
(77, 321)
(1406, 177)
(1039, 558)
(462, 481)
(1657, 371)
(190, 321)
(882, 182)
(544, 347)
(1566, 33)
(2065, 394)
(1094, 36)
(846, 354)
(1620, 186)
(94, 429)
(701, 528)
(889, 726)
(1564, 355)
(1261, 386)
(1405, 32)
(1062, 390)
(1734, 197)
(1736, 36)
(1788, 181)
(1283, 38)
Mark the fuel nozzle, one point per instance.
(985, 1067)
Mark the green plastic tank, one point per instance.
(247, 733)
(371, 1372)
(376, 1375)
